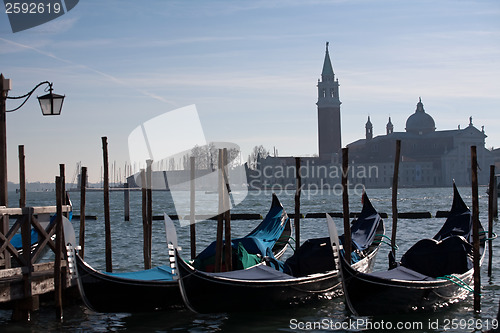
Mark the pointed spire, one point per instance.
(420, 106)
(389, 127)
(369, 123)
(327, 64)
(369, 129)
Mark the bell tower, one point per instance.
(329, 134)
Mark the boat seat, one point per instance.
(160, 273)
(430, 257)
(259, 272)
(313, 256)
(402, 273)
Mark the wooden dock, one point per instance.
(22, 278)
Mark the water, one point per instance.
(326, 315)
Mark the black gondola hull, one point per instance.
(107, 293)
(265, 288)
(369, 295)
(207, 293)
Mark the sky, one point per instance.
(250, 67)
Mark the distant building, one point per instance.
(428, 157)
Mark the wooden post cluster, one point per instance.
(475, 231)
(345, 205)
(36, 280)
(298, 191)
(224, 217)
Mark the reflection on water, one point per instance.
(327, 315)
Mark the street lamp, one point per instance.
(50, 104)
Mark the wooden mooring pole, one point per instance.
(220, 218)
(149, 193)
(126, 202)
(144, 219)
(24, 307)
(22, 177)
(491, 200)
(59, 248)
(495, 200)
(395, 179)
(475, 232)
(298, 190)
(345, 205)
(83, 187)
(107, 222)
(192, 207)
(227, 214)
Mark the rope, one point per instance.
(492, 233)
(290, 237)
(461, 283)
(396, 247)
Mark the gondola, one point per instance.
(431, 274)
(309, 274)
(157, 288)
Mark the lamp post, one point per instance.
(50, 104)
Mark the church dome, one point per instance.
(420, 122)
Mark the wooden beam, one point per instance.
(36, 210)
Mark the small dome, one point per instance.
(420, 122)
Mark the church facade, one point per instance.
(428, 157)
